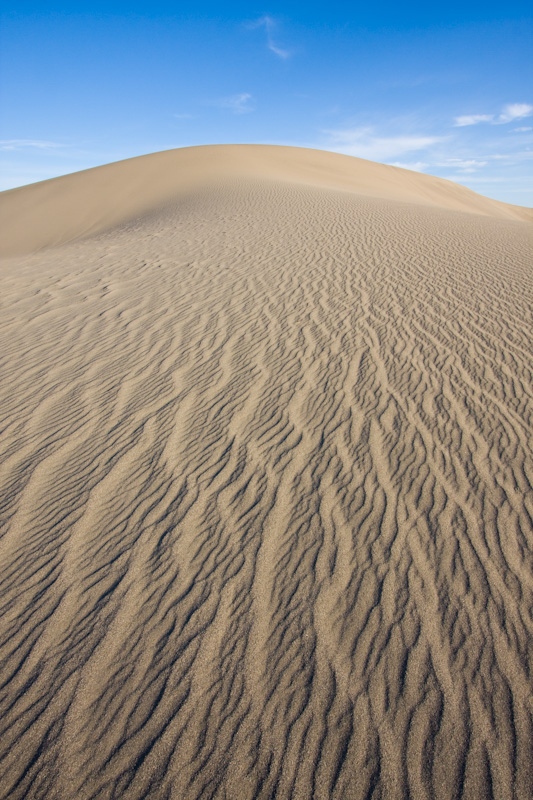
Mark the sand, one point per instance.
(266, 483)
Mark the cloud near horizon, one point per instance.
(436, 152)
(414, 166)
(18, 144)
(362, 143)
(509, 113)
(472, 119)
(468, 165)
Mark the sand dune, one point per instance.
(74, 206)
(266, 483)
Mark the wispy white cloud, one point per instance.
(472, 119)
(414, 166)
(522, 129)
(467, 179)
(269, 23)
(469, 165)
(514, 111)
(473, 157)
(238, 103)
(183, 116)
(362, 142)
(20, 144)
(465, 165)
(509, 113)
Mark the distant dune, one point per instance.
(266, 483)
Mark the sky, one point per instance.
(442, 89)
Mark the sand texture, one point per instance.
(266, 483)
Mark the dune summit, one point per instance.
(266, 483)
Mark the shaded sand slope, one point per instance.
(267, 504)
(71, 207)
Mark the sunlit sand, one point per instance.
(266, 483)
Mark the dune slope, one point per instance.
(75, 206)
(266, 494)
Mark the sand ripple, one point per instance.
(267, 506)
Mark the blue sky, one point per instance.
(444, 90)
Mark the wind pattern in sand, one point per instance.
(266, 496)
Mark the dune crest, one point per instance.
(266, 486)
(72, 207)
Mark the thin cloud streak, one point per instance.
(268, 23)
(238, 103)
(509, 113)
(362, 143)
(19, 144)
(472, 119)
(413, 166)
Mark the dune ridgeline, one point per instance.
(265, 483)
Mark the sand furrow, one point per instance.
(267, 504)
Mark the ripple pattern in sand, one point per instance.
(267, 506)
